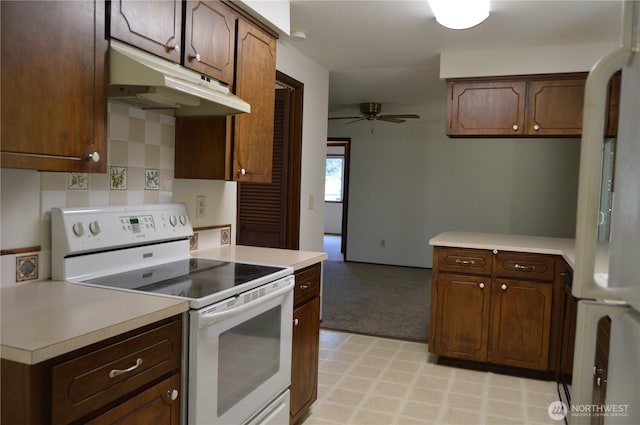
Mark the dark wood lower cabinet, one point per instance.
(133, 378)
(600, 367)
(521, 315)
(306, 342)
(156, 405)
(495, 309)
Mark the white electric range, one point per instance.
(237, 337)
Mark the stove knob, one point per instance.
(183, 219)
(78, 229)
(94, 227)
(173, 220)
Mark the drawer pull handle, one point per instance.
(465, 262)
(117, 372)
(524, 268)
(305, 285)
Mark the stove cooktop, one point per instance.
(191, 278)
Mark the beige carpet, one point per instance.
(387, 301)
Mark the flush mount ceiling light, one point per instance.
(459, 14)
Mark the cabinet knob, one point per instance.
(196, 57)
(93, 157)
(481, 285)
(174, 48)
(515, 127)
(172, 394)
(295, 322)
(504, 286)
(242, 171)
(495, 252)
(536, 127)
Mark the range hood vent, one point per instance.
(149, 82)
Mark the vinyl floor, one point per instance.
(371, 380)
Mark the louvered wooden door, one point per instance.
(262, 207)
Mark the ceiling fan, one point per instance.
(370, 112)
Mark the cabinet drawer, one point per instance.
(461, 260)
(525, 266)
(307, 284)
(90, 381)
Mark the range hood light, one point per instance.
(459, 14)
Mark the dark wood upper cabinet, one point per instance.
(528, 106)
(486, 108)
(154, 26)
(210, 35)
(53, 85)
(255, 83)
(555, 107)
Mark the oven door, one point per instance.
(240, 354)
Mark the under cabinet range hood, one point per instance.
(149, 82)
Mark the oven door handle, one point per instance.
(208, 319)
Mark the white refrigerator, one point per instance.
(611, 280)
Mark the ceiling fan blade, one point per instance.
(390, 118)
(356, 120)
(400, 116)
(345, 118)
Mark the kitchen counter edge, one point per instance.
(272, 256)
(521, 243)
(43, 320)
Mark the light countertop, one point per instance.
(253, 254)
(42, 320)
(521, 243)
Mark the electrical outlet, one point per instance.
(310, 204)
(200, 206)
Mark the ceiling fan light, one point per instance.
(459, 14)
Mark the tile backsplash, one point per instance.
(140, 158)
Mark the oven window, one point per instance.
(249, 355)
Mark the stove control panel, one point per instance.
(80, 230)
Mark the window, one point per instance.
(334, 179)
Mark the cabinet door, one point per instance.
(158, 405)
(521, 316)
(154, 26)
(202, 148)
(210, 35)
(555, 107)
(53, 85)
(486, 108)
(462, 316)
(255, 83)
(304, 359)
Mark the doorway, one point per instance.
(337, 198)
(268, 214)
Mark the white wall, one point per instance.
(409, 182)
(314, 140)
(333, 218)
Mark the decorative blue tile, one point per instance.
(26, 267)
(193, 241)
(225, 236)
